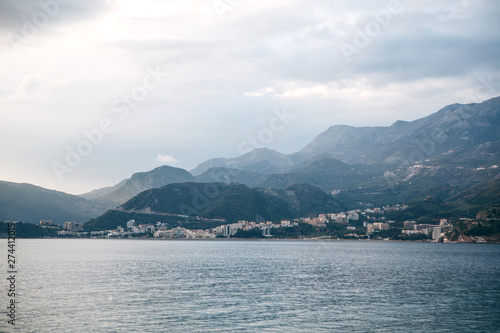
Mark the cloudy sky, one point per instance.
(92, 91)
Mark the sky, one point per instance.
(92, 91)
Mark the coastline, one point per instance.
(263, 240)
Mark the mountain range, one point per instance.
(439, 156)
(467, 132)
(30, 203)
(219, 201)
(139, 182)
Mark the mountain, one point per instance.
(455, 131)
(113, 218)
(230, 175)
(480, 196)
(457, 136)
(210, 200)
(99, 193)
(230, 202)
(432, 159)
(492, 212)
(479, 201)
(30, 203)
(139, 182)
(415, 183)
(326, 173)
(260, 160)
(305, 199)
(439, 156)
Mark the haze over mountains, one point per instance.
(139, 182)
(30, 203)
(439, 157)
(231, 202)
(455, 127)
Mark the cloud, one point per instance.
(17, 12)
(225, 77)
(30, 83)
(22, 20)
(167, 159)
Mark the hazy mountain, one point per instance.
(261, 160)
(450, 143)
(457, 127)
(141, 181)
(99, 193)
(231, 202)
(326, 173)
(420, 182)
(344, 156)
(30, 203)
(229, 175)
(437, 157)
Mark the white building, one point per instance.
(342, 218)
(353, 215)
(409, 225)
(266, 232)
(130, 224)
(371, 227)
(73, 226)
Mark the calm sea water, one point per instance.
(239, 286)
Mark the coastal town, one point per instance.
(360, 224)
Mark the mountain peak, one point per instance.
(159, 170)
(450, 128)
(261, 160)
(339, 127)
(141, 181)
(400, 123)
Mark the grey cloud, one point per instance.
(415, 45)
(302, 43)
(16, 15)
(437, 56)
(201, 110)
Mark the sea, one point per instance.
(106, 285)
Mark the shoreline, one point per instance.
(263, 240)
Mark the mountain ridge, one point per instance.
(440, 155)
(395, 144)
(32, 203)
(227, 202)
(141, 181)
(260, 160)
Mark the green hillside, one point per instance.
(30, 203)
(113, 218)
(228, 202)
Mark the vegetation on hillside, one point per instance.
(27, 230)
